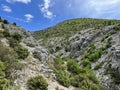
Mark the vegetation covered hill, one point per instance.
(77, 54)
(71, 27)
(89, 42)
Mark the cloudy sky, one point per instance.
(40, 14)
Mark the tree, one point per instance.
(5, 22)
(14, 24)
(0, 19)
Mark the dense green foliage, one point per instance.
(69, 27)
(68, 72)
(63, 77)
(21, 52)
(73, 67)
(8, 64)
(37, 83)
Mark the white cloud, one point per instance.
(94, 8)
(22, 1)
(29, 17)
(104, 8)
(45, 9)
(6, 8)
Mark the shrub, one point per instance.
(36, 55)
(0, 19)
(21, 52)
(4, 84)
(1, 34)
(63, 78)
(37, 83)
(6, 33)
(8, 64)
(5, 22)
(115, 75)
(73, 67)
(2, 25)
(94, 56)
(82, 82)
(17, 37)
(58, 63)
(14, 23)
(77, 80)
(86, 63)
(98, 66)
(12, 42)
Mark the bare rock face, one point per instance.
(44, 54)
(115, 59)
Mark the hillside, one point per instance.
(77, 54)
(93, 43)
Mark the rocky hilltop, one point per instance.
(77, 54)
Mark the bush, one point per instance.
(2, 25)
(77, 80)
(12, 42)
(86, 63)
(63, 78)
(6, 33)
(37, 83)
(4, 84)
(115, 75)
(14, 24)
(21, 52)
(8, 64)
(73, 67)
(36, 55)
(1, 34)
(82, 82)
(5, 22)
(17, 37)
(94, 56)
(98, 66)
(0, 19)
(59, 64)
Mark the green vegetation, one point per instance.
(115, 75)
(86, 63)
(5, 22)
(8, 64)
(69, 27)
(73, 67)
(21, 52)
(98, 66)
(37, 83)
(92, 55)
(36, 55)
(14, 24)
(63, 77)
(6, 33)
(68, 72)
(117, 27)
(17, 37)
(0, 19)
(4, 83)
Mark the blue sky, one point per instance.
(40, 14)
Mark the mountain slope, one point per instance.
(77, 54)
(21, 58)
(93, 43)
